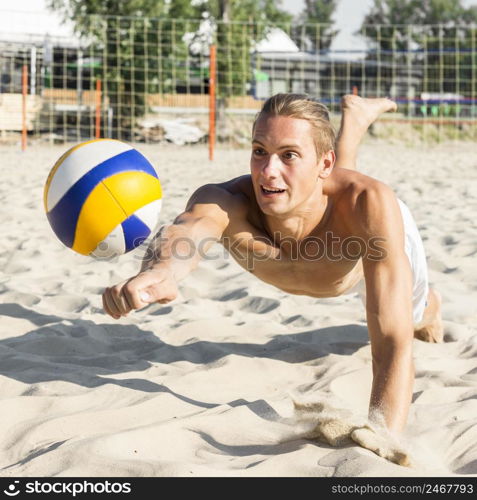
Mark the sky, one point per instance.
(348, 13)
(348, 17)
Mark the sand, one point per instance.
(235, 377)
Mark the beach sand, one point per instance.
(235, 377)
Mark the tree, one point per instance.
(127, 36)
(145, 45)
(438, 35)
(423, 12)
(240, 24)
(317, 25)
(237, 24)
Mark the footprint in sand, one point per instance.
(160, 311)
(66, 303)
(21, 298)
(16, 267)
(259, 305)
(449, 240)
(239, 293)
(297, 320)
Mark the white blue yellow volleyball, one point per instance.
(103, 198)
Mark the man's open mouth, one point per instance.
(271, 191)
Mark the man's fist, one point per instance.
(153, 285)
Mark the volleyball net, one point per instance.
(151, 80)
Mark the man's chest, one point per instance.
(324, 266)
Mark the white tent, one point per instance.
(276, 40)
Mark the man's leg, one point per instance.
(357, 114)
(431, 329)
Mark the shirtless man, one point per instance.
(310, 227)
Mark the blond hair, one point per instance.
(303, 107)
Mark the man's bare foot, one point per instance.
(366, 110)
(431, 328)
(358, 113)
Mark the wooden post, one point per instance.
(355, 90)
(212, 101)
(24, 105)
(98, 109)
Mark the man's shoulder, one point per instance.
(354, 184)
(241, 185)
(371, 194)
(234, 193)
(358, 189)
(377, 210)
(368, 203)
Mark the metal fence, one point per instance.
(141, 79)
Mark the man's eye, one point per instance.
(258, 151)
(290, 155)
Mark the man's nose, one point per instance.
(271, 168)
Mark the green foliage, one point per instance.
(439, 35)
(251, 11)
(143, 49)
(123, 36)
(81, 10)
(422, 12)
(238, 27)
(316, 19)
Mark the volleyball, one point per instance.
(102, 198)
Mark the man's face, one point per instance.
(284, 165)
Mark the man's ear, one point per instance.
(327, 162)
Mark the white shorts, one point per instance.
(417, 258)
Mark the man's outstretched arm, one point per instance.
(173, 253)
(388, 278)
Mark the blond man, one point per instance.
(305, 221)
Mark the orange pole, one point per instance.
(355, 90)
(212, 74)
(98, 109)
(24, 105)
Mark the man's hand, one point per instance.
(154, 285)
(176, 252)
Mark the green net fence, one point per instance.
(147, 80)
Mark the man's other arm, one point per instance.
(388, 279)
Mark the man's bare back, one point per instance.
(308, 227)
